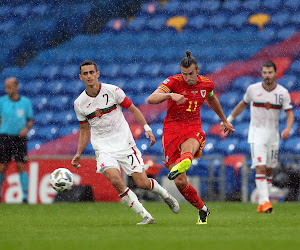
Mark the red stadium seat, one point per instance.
(295, 96)
(236, 161)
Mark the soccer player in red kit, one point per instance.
(183, 139)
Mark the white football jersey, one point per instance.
(265, 110)
(110, 132)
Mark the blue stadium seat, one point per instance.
(140, 99)
(44, 118)
(210, 6)
(137, 24)
(292, 5)
(65, 118)
(267, 34)
(295, 66)
(209, 147)
(214, 66)
(243, 147)
(286, 32)
(290, 82)
(271, 5)
(291, 146)
(152, 69)
(47, 133)
(156, 23)
(34, 144)
(70, 72)
(62, 102)
(238, 20)
(197, 22)
(243, 82)
(157, 129)
(89, 149)
(40, 10)
(171, 8)
(231, 6)
(279, 19)
(191, 7)
(130, 70)
(39, 102)
(227, 146)
(295, 20)
(171, 69)
(230, 99)
(241, 129)
(210, 117)
(67, 130)
(218, 21)
(251, 5)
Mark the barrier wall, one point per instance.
(39, 188)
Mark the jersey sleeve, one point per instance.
(80, 117)
(287, 104)
(167, 85)
(29, 111)
(247, 97)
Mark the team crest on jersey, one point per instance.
(98, 113)
(203, 93)
(268, 105)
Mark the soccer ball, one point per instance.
(62, 179)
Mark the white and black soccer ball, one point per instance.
(62, 179)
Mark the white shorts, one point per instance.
(262, 154)
(131, 161)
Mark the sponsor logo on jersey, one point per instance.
(166, 81)
(194, 92)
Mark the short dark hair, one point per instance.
(188, 60)
(88, 62)
(269, 64)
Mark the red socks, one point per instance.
(186, 155)
(190, 194)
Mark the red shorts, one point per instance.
(172, 140)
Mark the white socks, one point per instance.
(128, 197)
(262, 188)
(158, 189)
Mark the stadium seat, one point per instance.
(295, 66)
(280, 19)
(218, 21)
(58, 102)
(243, 82)
(149, 8)
(295, 97)
(291, 146)
(157, 129)
(238, 20)
(210, 6)
(251, 5)
(47, 133)
(44, 118)
(286, 32)
(156, 23)
(67, 130)
(137, 24)
(231, 6)
(209, 147)
(191, 7)
(34, 144)
(271, 5)
(197, 22)
(292, 5)
(117, 24)
(243, 147)
(290, 82)
(171, 8)
(230, 99)
(227, 146)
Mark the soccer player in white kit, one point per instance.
(267, 99)
(99, 106)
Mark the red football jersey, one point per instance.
(189, 112)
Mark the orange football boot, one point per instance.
(265, 208)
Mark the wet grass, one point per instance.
(112, 226)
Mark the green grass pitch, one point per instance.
(113, 226)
